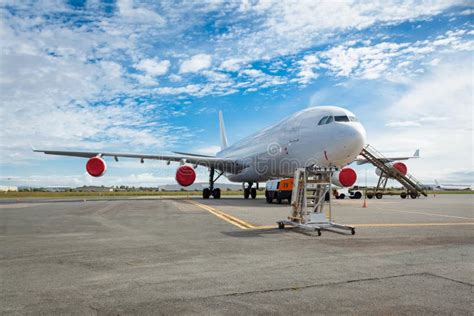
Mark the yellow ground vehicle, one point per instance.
(279, 190)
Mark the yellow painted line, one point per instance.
(245, 225)
(385, 225)
(265, 227)
(224, 216)
(430, 214)
(412, 224)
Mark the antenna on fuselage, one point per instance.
(222, 130)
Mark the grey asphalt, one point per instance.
(169, 256)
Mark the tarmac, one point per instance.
(192, 256)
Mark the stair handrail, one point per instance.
(416, 184)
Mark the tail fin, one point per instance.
(222, 129)
(417, 153)
(437, 183)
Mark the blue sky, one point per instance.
(151, 77)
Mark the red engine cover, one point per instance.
(96, 166)
(347, 177)
(400, 166)
(185, 175)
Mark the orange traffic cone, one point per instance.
(365, 203)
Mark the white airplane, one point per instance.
(326, 137)
(452, 187)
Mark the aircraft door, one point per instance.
(292, 135)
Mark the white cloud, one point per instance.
(145, 80)
(435, 115)
(175, 78)
(306, 72)
(139, 14)
(208, 150)
(232, 64)
(252, 72)
(402, 124)
(286, 27)
(215, 76)
(393, 61)
(192, 89)
(196, 63)
(153, 67)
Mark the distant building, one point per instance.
(4, 188)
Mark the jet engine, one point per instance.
(400, 166)
(346, 177)
(96, 166)
(185, 175)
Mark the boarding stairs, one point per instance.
(379, 161)
(311, 199)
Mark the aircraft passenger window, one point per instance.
(341, 118)
(329, 120)
(321, 121)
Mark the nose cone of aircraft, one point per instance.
(350, 140)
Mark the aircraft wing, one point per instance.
(219, 163)
(361, 160)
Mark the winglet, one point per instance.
(417, 153)
(222, 130)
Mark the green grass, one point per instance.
(17, 195)
(451, 192)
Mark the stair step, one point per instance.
(408, 181)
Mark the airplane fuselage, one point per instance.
(302, 140)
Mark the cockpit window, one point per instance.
(341, 118)
(322, 121)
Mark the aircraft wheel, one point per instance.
(206, 193)
(253, 193)
(216, 193)
(246, 193)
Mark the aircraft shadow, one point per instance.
(253, 233)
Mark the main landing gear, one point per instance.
(211, 191)
(249, 191)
